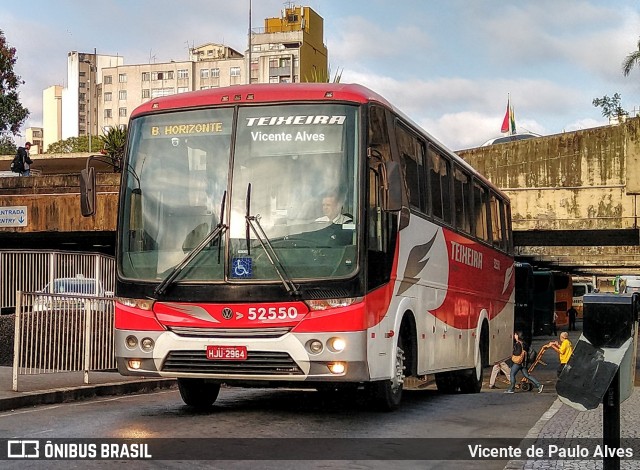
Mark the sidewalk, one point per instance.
(561, 422)
(44, 389)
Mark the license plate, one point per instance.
(227, 353)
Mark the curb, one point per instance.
(63, 395)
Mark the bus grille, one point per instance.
(257, 363)
(231, 333)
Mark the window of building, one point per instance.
(122, 112)
(215, 73)
(107, 113)
(146, 76)
(234, 71)
(157, 92)
(108, 80)
(83, 85)
(146, 93)
(204, 73)
(82, 74)
(81, 107)
(122, 95)
(183, 89)
(82, 96)
(81, 119)
(205, 87)
(122, 78)
(183, 73)
(107, 96)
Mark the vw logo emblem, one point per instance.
(227, 313)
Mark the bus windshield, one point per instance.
(282, 179)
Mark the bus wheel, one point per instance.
(470, 380)
(446, 382)
(197, 393)
(386, 395)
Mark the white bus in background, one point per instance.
(627, 284)
(579, 290)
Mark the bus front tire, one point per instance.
(386, 395)
(197, 393)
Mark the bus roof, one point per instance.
(263, 93)
(291, 92)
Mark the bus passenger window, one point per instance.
(497, 232)
(439, 173)
(480, 212)
(461, 188)
(412, 157)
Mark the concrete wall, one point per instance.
(577, 180)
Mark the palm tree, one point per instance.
(114, 141)
(631, 60)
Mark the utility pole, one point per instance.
(250, 46)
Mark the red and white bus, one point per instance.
(232, 268)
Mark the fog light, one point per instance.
(315, 346)
(337, 367)
(131, 342)
(146, 344)
(135, 364)
(337, 344)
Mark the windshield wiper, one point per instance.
(253, 222)
(218, 231)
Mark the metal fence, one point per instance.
(34, 270)
(62, 333)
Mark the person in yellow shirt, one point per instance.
(564, 348)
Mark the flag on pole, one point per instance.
(509, 121)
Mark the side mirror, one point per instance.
(392, 186)
(88, 191)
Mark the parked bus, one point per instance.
(626, 284)
(553, 293)
(579, 291)
(543, 303)
(524, 300)
(232, 268)
(563, 297)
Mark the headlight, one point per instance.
(143, 304)
(337, 344)
(325, 304)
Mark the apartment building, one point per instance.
(102, 91)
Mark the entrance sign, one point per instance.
(13, 216)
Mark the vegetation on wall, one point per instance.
(12, 113)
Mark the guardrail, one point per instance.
(62, 333)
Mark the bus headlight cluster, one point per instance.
(146, 344)
(334, 344)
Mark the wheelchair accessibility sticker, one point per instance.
(241, 267)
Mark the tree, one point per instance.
(74, 145)
(610, 106)
(12, 113)
(7, 145)
(631, 60)
(114, 142)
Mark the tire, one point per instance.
(386, 395)
(446, 382)
(525, 386)
(197, 393)
(470, 380)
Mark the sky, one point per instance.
(448, 64)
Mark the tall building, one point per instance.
(51, 116)
(101, 91)
(290, 48)
(80, 101)
(34, 135)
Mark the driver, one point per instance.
(332, 210)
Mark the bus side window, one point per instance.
(480, 212)
(411, 153)
(439, 174)
(462, 198)
(497, 227)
